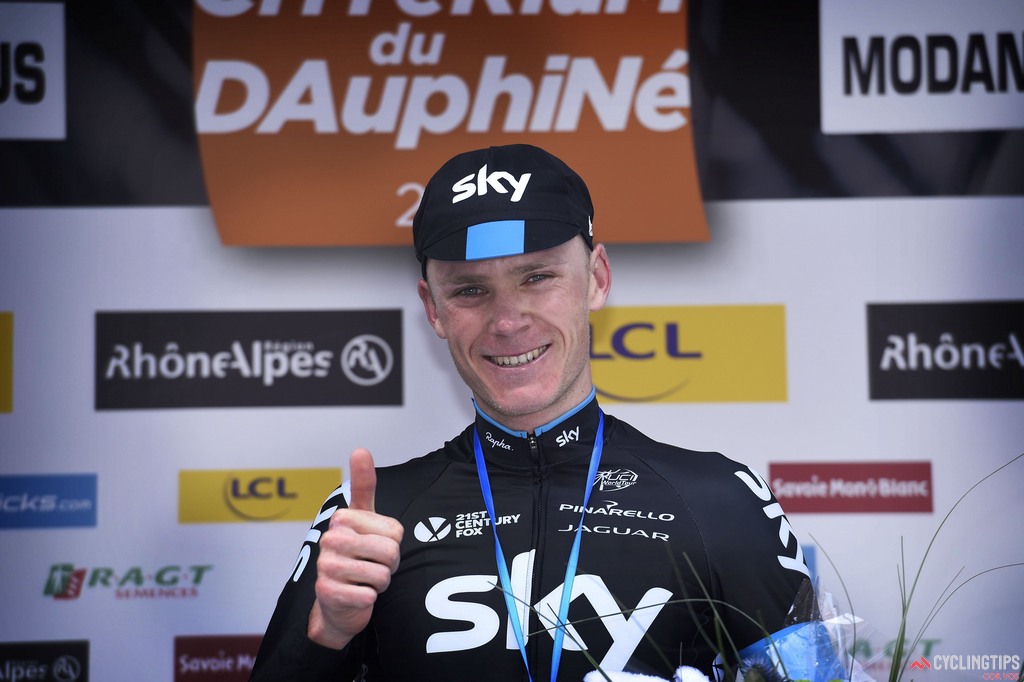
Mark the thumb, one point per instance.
(363, 479)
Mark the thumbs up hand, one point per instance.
(359, 553)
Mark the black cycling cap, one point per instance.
(501, 201)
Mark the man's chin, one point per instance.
(510, 407)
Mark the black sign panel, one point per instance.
(946, 350)
(245, 359)
(66, 661)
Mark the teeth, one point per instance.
(513, 360)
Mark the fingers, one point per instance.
(359, 553)
(363, 479)
(352, 559)
(360, 516)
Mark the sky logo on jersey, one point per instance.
(251, 495)
(32, 97)
(674, 354)
(457, 600)
(405, 84)
(921, 65)
(48, 501)
(773, 510)
(6, 362)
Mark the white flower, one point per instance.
(683, 674)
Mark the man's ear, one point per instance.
(600, 278)
(430, 308)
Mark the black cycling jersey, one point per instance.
(684, 554)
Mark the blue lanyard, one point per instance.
(570, 566)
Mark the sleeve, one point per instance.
(756, 557)
(777, 626)
(286, 653)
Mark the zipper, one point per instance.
(539, 522)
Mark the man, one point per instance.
(668, 557)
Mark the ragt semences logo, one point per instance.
(66, 581)
(328, 138)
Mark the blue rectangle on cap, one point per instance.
(495, 239)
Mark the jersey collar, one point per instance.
(569, 436)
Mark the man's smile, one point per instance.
(514, 360)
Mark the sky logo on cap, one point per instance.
(466, 188)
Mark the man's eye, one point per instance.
(468, 291)
(537, 277)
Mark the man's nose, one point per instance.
(509, 313)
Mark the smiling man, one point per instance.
(548, 538)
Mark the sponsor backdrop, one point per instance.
(207, 298)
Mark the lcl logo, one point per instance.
(643, 341)
(263, 488)
(240, 494)
(236, 495)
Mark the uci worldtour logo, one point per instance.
(616, 479)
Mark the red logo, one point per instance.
(845, 487)
(219, 658)
(921, 664)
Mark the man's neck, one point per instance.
(533, 428)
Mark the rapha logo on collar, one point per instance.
(473, 185)
(497, 443)
(615, 479)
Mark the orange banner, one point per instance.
(320, 122)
